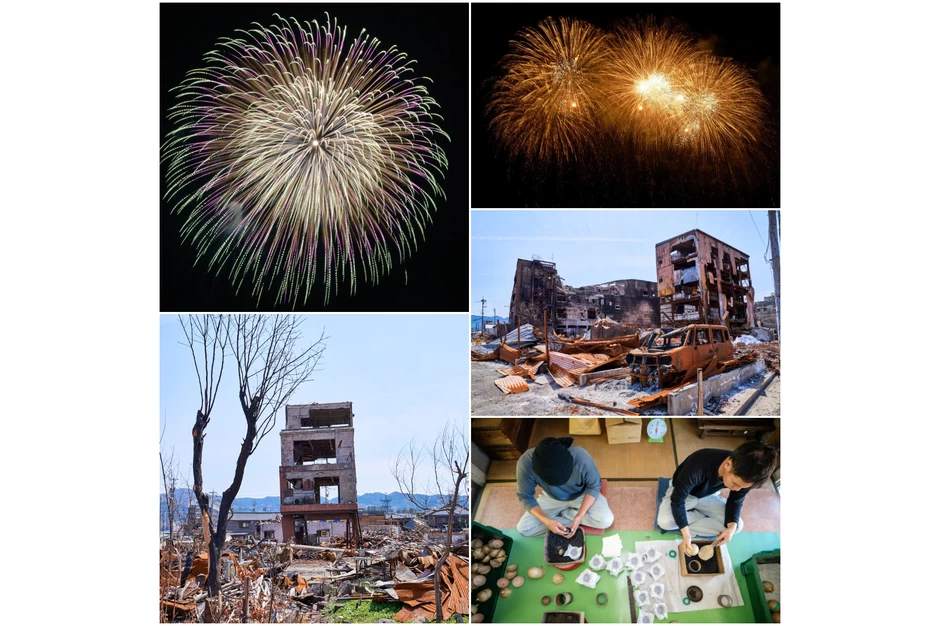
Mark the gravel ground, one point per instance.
(541, 399)
(768, 404)
(486, 399)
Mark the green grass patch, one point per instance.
(367, 612)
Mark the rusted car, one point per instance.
(668, 358)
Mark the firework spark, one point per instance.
(545, 104)
(294, 142)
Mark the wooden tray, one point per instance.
(708, 567)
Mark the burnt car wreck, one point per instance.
(674, 356)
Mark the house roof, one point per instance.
(458, 510)
(255, 516)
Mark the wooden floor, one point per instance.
(630, 461)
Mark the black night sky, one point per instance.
(748, 33)
(436, 36)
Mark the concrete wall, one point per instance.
(682, 401)
(336, 411)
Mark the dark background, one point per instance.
(748, 33)
(433, 35)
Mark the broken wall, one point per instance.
(537, 288)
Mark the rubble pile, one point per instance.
(654, 362)
(769, 351)
(528, 352)
(257, 584)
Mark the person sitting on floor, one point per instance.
(693, 503)
(571, 485)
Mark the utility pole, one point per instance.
(772, 217)
(482, 314)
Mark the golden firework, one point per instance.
(666, 92)
(545, 105)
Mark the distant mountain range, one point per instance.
(271, 503)
(475, 321)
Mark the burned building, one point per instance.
(318, 469)
(702, 280)
(765, 311)
(572, 310)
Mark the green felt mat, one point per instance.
(525, 606)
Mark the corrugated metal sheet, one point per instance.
(529, 369)
(512, 384)
(528, 336)
(485, 352)
(561, 377)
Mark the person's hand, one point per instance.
(724, 537)
(687, 545)
(557, 527)
(573, 528)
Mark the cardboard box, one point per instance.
(623, 429)
(584, 426)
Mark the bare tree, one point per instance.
(443, 490)
(270, 363)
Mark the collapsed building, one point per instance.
(538, 288)
(702, 280)
(318, 469)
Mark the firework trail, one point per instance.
(545, 104)
(294, 142)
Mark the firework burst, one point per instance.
(296, 147)
(665, 91)
(545, 104)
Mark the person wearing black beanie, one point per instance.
(571, 488)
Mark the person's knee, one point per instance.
(528, 526)
(605, 519)
(666, 521)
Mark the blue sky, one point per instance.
(591, 247)
(406, 375)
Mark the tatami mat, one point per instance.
(642, 460)
(633, 506)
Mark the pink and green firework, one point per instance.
(297, 147)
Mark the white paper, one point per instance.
(634, 561)
(658, 590)
(597, 562)
(642, 597)
(657, 571)
(638, 577)
(659, 610)
(615, 566)
(676, 585)
(650, 555)
(644, 617)
(613, 546)
(588, 579)
(573, 553)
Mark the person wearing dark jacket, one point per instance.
(571, 488)
(693, 503)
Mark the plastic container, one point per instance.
(485, 534)
(755, 586)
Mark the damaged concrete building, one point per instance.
(766, 312)
(537, 287)
(318, 469)
(703, 280)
